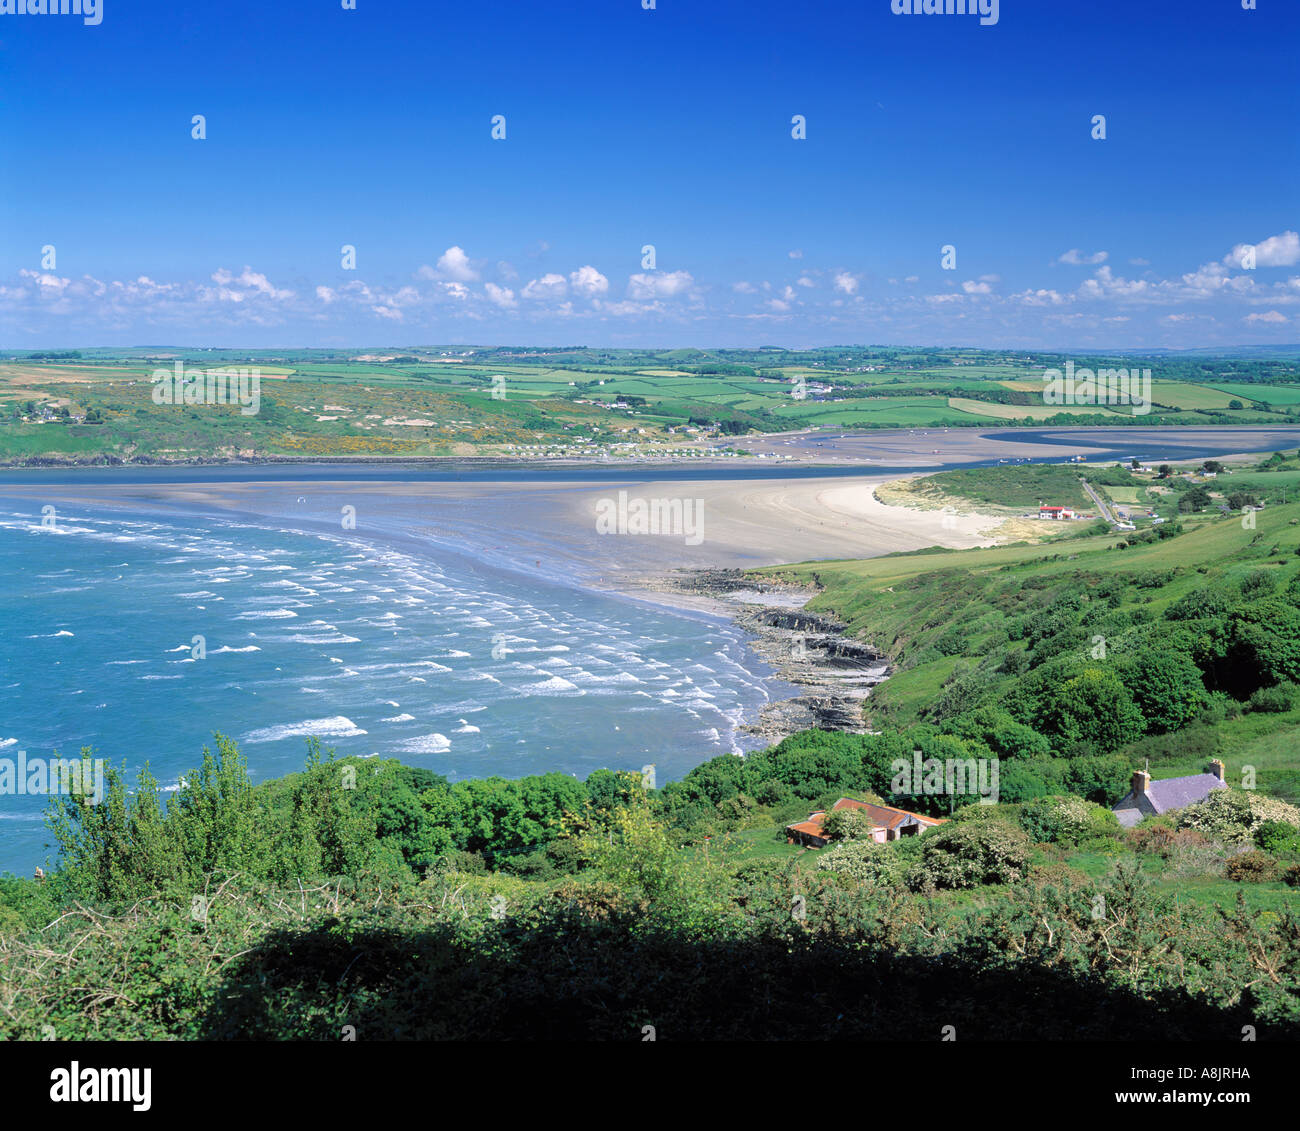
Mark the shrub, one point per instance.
(1258, 583)
(1233, 816)
(1253, 867)
(1195, 859)
(879, 865)
(964, 855)
(951, 643)
(847, 824)
(1067, 820)
(1274, 700)
(1278, 838)
(1155, 836)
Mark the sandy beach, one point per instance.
(549, 523)
(553, 525)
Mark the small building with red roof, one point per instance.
(890, 823)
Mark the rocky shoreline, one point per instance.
(807, 649)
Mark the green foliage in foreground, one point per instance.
(452, 958)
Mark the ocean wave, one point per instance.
(336, 726)
(426, 744)
(553, 686)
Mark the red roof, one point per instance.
(884, 816)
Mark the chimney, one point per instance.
(1216, 768)
(1141, 779)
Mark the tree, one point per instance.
(1195, 499)
(1167, 688)
(1093, 707)
(216, 813)
(847, 824)
(1264, 637)
(967, 854)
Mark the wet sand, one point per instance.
(553, 526)
(548, 526)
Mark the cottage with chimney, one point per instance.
(889, 823)
(1149, 798)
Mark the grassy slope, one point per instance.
(903, 603)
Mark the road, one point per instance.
(1102, 506)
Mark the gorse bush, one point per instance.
(1253, 867)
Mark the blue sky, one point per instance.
(672, 127)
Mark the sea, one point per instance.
(139, 636)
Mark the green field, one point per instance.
(432, 401)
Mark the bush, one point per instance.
(1253, 867)
(1067, 820)
(964, 855)
(1273, 700)
(1196, 858)
(1258, 583)
(879, 865)
(1233, 816)
(847, 824)
(1154, 835)
(1278, 838)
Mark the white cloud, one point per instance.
(743, 288)
(973, 288)
(796, 254)
(1076, 257)
(454, 264)
(1271, 317)
(1276, 251)
(1038, 298)
(659, 284)
(253, 282)
(846, 283)
(588, 281)
(1105, 284)
(502, 296)
(548, 286)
